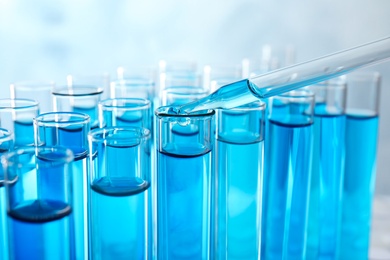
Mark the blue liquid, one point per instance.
(74, 138)
(359, 182)
(183, 201)
(119, 219)
(3, 223)
(24, 132)
(239, 200)
(286, 185)
(326, 184)
(39, 229)
(91, 111)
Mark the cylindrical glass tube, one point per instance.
(239, 182)
(39, 91)
(39, 203)
(288, 153)
(119, 202)
(78, 99)
(184, 170)
(327, 169)
(362, 119)
(218, 75)
(70, 130)
(96, 80)
(6, 145)
(125, 112)
(16, 115)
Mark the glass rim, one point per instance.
(139, 103)
(143, 133)
(77, 90)
(176, 90)
(18, 103)
(164, 111)
(36, 150)
(51, 118)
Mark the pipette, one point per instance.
(289, 78)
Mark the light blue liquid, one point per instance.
(183, 193)
(286, 185)
(239, 199)
(74, 138)
(3, 223)
(24, 133)
(119, 219)
(326, 184)
(359, 182)
(39, 229)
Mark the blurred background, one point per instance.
(47, 40)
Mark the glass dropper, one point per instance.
(296, 76)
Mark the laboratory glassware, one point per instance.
(70, 129)
(185, 150)
(39, 203)
(327, 168)
(287, 170)
(362, 122)
(16, 115)
(120, 196)
(239, 184)
(292, 77)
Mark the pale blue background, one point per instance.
(46, 39)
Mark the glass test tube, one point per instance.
(120, 215)
(78, 99)
(39, 202)
(70, 129)
(6, 145)
(362, 120)
(327, 168)
(287, 175)
(184, 170)
(41, 91)
(239, 181)
(16, 115)
(217, 75)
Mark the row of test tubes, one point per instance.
(107, 171)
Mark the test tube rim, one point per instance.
(65, 91)
(18, 103)
(197, 114)
(144, 133)
(41, 121)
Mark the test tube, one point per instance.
(6, 145)
(327, 168)
(40, 90)
(39, 202)
(362, 119)
(217, 75)
(287, 171)
(16, 115)
(184, 171)
(125, 112)
(239, 181)
(70, 129)
(78, 99)
(120, 210)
